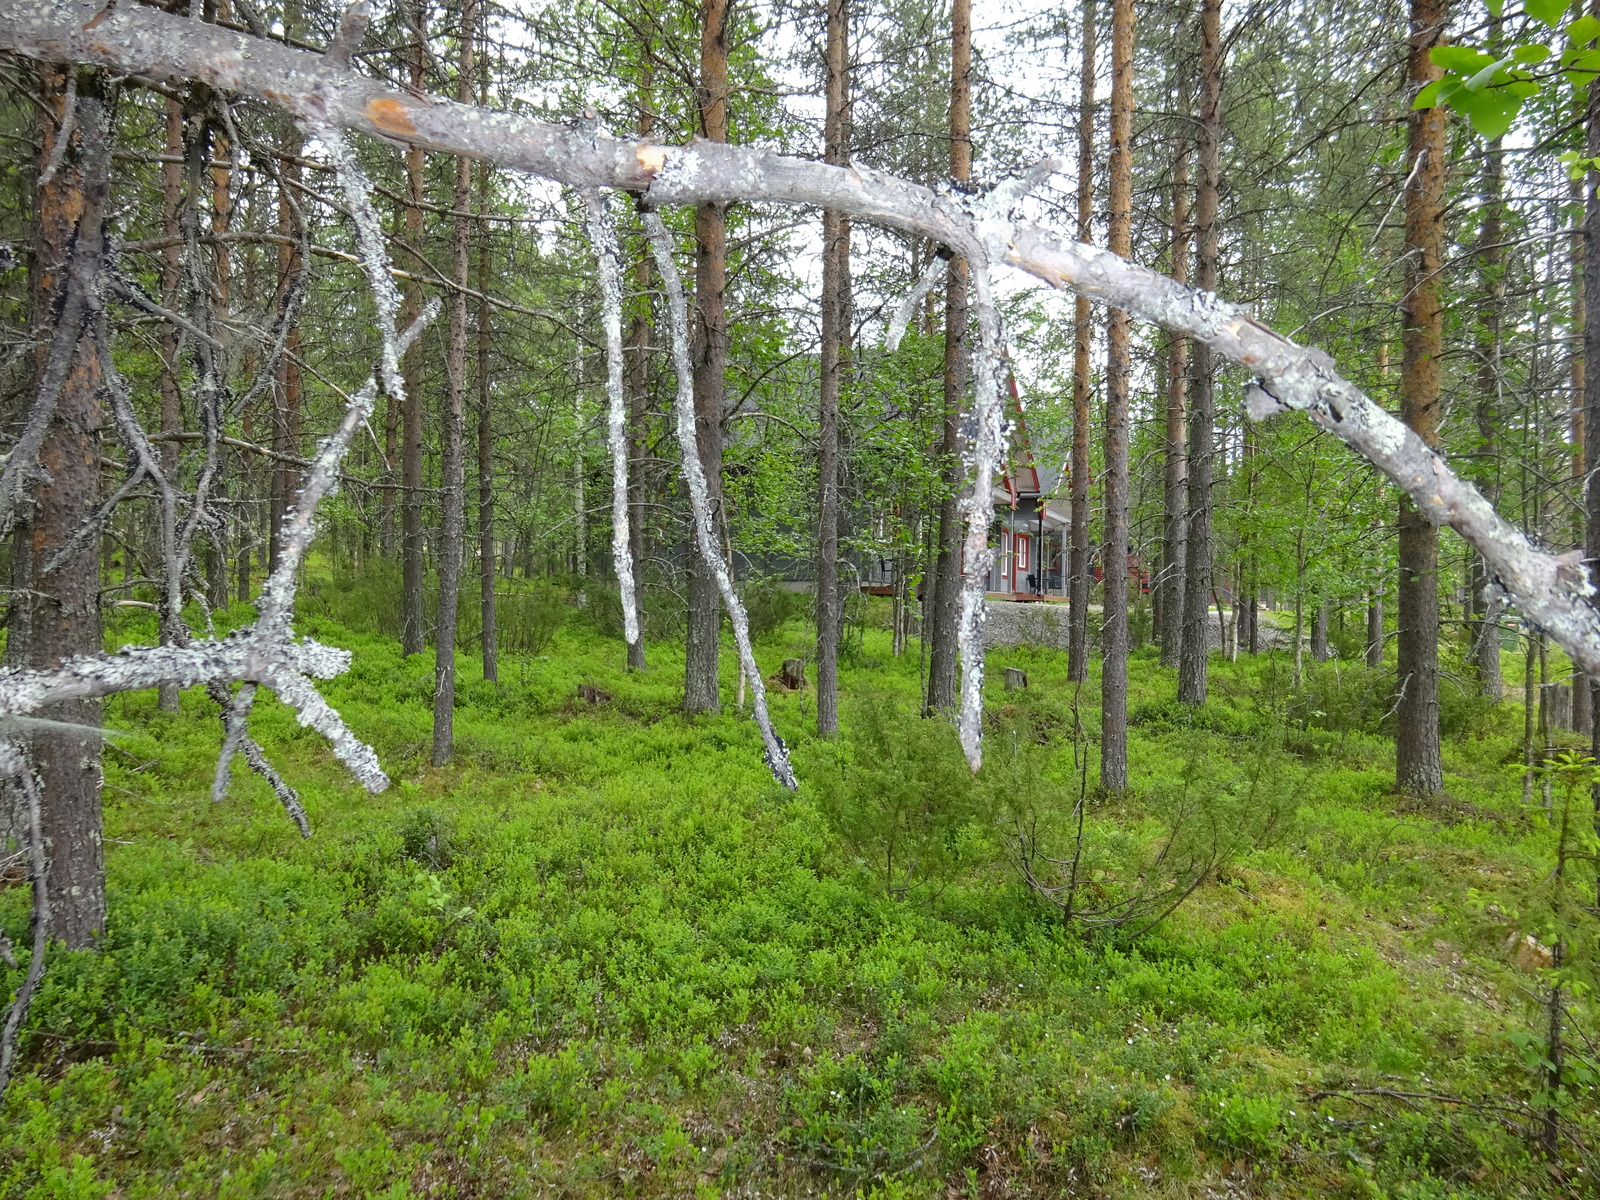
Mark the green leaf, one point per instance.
(1484, 77)
(1460, 60)
(1549, 12)
(1535, 53)
(1584, 29)
(1428, 97)
(1523, 89)
(1496, 7)
(1582, 60)
(1491, 111)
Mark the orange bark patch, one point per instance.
(651, 158)
(391, 116)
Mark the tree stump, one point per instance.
(793, 676)
(590, 694)
(1016, 679)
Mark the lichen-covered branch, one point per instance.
(694, 476)
(603, 233)
(984, 446)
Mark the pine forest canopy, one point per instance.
(226, 208)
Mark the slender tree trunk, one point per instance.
(580, 502)
(1078, 568)
(56, 613)
(167, 696)
(1375, 630)
(1591, 392)
(700, 692)
(1119, 370)
(1176, 474)
(453, 482)
(487, 559)
(1582, 696)
(835, 332)
(291, 386)
(943, 651)
(638, 381)
(413, 627)
(1193, 661)
(1417, 765)
(221, 219)
(1485, 648)
(1319, 631)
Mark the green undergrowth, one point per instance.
(603, 954)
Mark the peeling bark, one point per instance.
(777, 754)
(603, 233)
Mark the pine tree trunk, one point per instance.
(1078, 568)
(1375, 630)
(1119, 370)
(700, 692)
(1591, 389)
(835, 331)
(946, 606)
(452, 467)
(56, 614)
(1582, 694)
(413, 627)
(221, 219)
(1194, 660)
(1485, 648)
(1176, 474)
(167, 696)
(290, 384)
(488, 613)
(1417, 764)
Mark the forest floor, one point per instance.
(604, 955)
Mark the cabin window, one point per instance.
(1023, 547)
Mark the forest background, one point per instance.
(1210, 930)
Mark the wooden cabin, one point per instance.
(1032, 519)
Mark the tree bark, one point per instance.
(1078, 568)
(487, 559)
(1582, 695)
(945, 611)
(221, 219)
(700, 692)
(291, 386)
(835, 333)
(1484, 630)
(1591, 399)
(1119, 370)
(56, 614)
(167, 697)
(1170, 588)
(1417, 765)
(1195, 657)
(1319, 631)
(413, 620)
(452, 469)
(638, 380)
(1375, 630)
